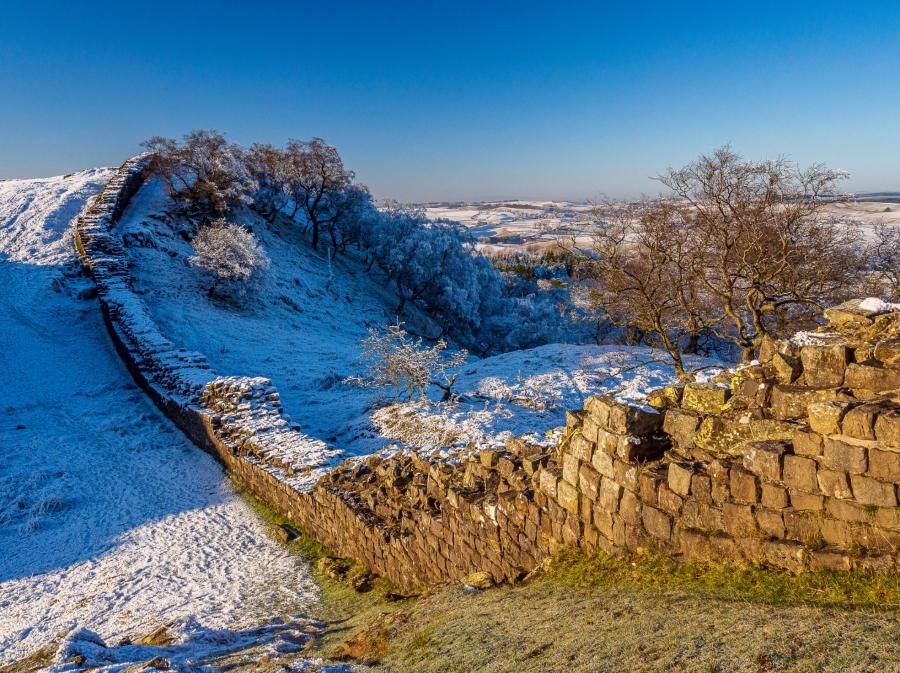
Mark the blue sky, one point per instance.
(447, 101)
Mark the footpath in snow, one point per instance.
(110, 519)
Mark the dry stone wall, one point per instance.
(792, 462)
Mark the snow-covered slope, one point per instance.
(109, 518)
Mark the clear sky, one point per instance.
(435, 101)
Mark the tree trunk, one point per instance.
(315, 241)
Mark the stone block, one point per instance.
(873, 378)
(630, 508)
(581, 448)
(568, 496)
(837, 532)
(626, 475)
(680, 476)
(721, 491)
(571, 466)
(669, 500)
(575, 418)
(807, 443)
(752, 549)
(792, 402)
(701, 488)
(690, 511)
(649, 481)
(802, 525)
(744, 486)
(610, 494)
(875, 562)
(549, 480)
(710, 517)
(666, 397)
(823, 366)
(826, 417)
(845, 457)
(489, 458)
(638, 449)
(847, 510)
(635, 539)
(572, 530)
(884, 465)
(859, 422)
(800, 473)
(590, 428)
(786, 554)
(705, 398)
(739, 519)
(887, 428)
(603, 521)
(532, 464)
(618, 530)
(723, 547)
(834, 484)
(657, 523)
(765, 459)
(774, 496)
(829, 560)
(589, 481)
(764, 429)
(888, 351)
(788, 367)
(868, 491)
(621, 418)
(718, 435)
(771, 522)
(694, 544)
(888, 517)
(604, 464)
(801, 500)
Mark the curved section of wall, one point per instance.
(792, 463)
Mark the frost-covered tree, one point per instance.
(398, 367)
(202, 171)
(268, 166)
(229, 253)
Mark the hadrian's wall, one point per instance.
(792, 462)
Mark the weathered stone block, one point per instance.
(621, 418)
(489, 458)
(589, 481)
(837, 532)
(666, 397)
(630, 508)
(572, 530)
(888, 351)
(575, 418)
(786, 554)
(884, 465)
(637, 449)
(581, 448)
(802, 525)
(669, 500)
(888, 517)
(868, 491)
(635, 539)
(649, 482)
(682, 426)
(718, 435)
(859, 422)
(765, 459)
(721, 491)
(657, 524)
(694, 544)
(571, 466)
(723, 547)
(834, 484)
(604, 464)
(549, 480)
(744, 486)
(690, 511)
(887, 428)
(762, 430)
(847, 510)
(739, 519)
(701, 488)
(680, 475)
(532, 464)
(801, 500)
(823, 366)
(774, 496)
(626, 475)
(845, 457)
(610, 494)
(567, 496)
(800, 473)
(711, 517)
(603, 521)
(826, 417)
(807, 443)
(788, 367)
(875, 562)
(771, 522)
(705, 398)
(792, 402)
(872, 378)
(829, 560)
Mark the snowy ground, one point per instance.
(302, 330)
(109, 518)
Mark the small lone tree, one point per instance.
(229, 252)
(395, 363)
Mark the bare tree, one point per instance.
(202, 171)
(886, 260)
(229, 253)
(398, 367)
(318, 183)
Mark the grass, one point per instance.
(603, 613)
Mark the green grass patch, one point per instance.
(726, 580)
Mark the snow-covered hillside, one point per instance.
(109, 518)
(302, 330)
